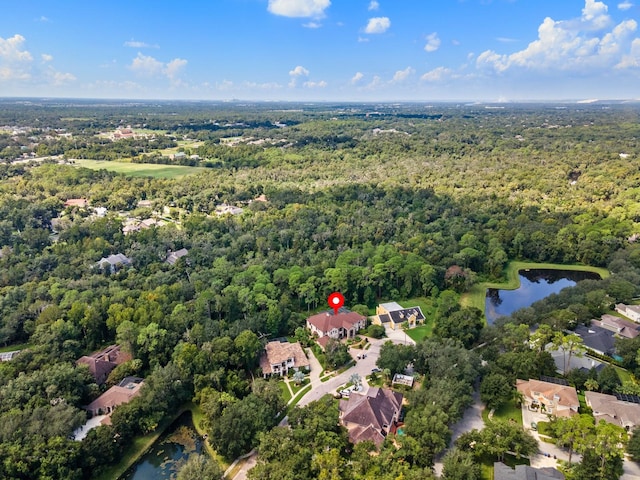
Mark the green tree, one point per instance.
(200, 467)
(394, 357)
(496, 390)
(460, 465)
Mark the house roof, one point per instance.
(584, 363)
(525, 472)
(113, 260)
(173, 257)
(278, 352)
(327, 321)
(391, 306)
(384, 318)
(633, 308)
(76, 202)
(376, 409)
(535, 389)
(597, 338)
(126, 390)
(624, 328)
(610, 409)
(103, 362)
(399, 316)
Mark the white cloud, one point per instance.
(437, 75)
(357, 77)
(312, 25)
(506, 40)
(632, 59)
(299, 8)
(320, 84)
(578, 45)
(299, 71)
(43, 19)
(373, 5)
(363, 39)
(147, 66)
(137, 44)
(378, 25)
(625, 5)
(11, 50)
(401, 75)
(433, 42)
(46, 57)
(59, 78)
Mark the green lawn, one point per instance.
(286, 394)
(421, 332)
(141, 169)
(11, 348)
(507, 412)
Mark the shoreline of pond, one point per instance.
(476, 296)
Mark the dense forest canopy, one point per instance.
(377, 201)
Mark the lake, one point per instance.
(535, 284)
(169, 452)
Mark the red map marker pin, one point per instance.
(336, 300)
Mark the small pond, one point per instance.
(169, 452)
(535, 284)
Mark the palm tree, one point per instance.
(298, 377)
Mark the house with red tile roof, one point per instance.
(550, 398)
(124, 392)
(342, 325)
(103, 362)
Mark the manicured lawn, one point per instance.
(428, 309)
(423, 331)
(507, 412)
(141, 169)
(624, 375)
(17, 346)
(286, 394)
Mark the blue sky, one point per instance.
(322, 50)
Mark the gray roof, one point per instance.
(597, 339)
(391, 306)
(524, 472)
(173, 257)
(581, 363)
(117, 259)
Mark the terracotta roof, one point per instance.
(103, 362)
(327, 321)
(76, 202)
(124, 392)
(566, 396)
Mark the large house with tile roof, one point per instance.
(103, 362)
(610, 409)
(278, 357)
(371, 416)
(619, 326)
(124, 392)
(343, 325)
(550, 398)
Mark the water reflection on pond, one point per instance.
(169, 452)
(535, 284)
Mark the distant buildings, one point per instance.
(113, 262)
(225, 209)
(619, 326)
(77, 202)
(173, 257)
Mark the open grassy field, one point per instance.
(141, 169)
(475, 297)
